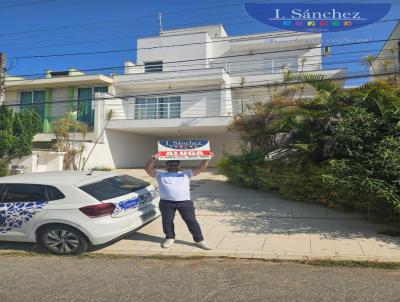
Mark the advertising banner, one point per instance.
(184, 150)
(317, 17)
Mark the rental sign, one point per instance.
(184, 150)
(317, 17)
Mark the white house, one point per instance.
(186, 83)
(387, 62)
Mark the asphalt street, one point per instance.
(52, 278)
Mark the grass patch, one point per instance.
(325, 263)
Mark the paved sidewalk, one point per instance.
(239, 222)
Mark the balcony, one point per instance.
(167, 80)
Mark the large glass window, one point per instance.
(158, 108)
(86, 104)
(33, 100)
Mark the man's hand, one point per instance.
(201, 168)
(150, 165)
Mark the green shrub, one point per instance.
(348, 142)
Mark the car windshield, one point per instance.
(114, 186)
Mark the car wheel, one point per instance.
(63, 240)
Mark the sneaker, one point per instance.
(203, 245)
(168, 243)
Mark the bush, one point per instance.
(296, 179)
(348, 142)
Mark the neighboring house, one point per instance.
(186, 84)
(52, 97)
(388, 59)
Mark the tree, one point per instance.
(66, 130)
(288, 120)
(393, 51)
(17, 130)
(369, 61)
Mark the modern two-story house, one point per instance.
(185, 84)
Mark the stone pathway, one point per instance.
(240, 222)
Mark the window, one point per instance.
(100, 89)
(86, 103)
(33, 100)
(158, 108)
(23, 193)
(113, 187)
(54, 194)
(155, 66)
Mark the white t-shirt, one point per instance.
(174, 186)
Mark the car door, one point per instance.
(21, 206)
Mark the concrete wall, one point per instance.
(120, 150)
(41, 161)
(192, 49)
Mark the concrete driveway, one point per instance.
(240, 222)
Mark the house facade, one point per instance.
(185, 84)
(387, 62)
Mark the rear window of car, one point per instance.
(114, 187)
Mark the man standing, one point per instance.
(174, 187)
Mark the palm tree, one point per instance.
(393, 51)
(303, 61)
(242, 82)
(385, 64)
(369, 61)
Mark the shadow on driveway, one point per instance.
(259, 212)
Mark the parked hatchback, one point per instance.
(71, 210)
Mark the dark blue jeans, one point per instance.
(186, 209)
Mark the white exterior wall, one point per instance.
(11, 97)
(121, 108)
(194, 48)
(41, 161)
(201, 104)
(121, 150)
(390, 54)
(313, 59)
(49, 161)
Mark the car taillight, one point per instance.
(98, 210)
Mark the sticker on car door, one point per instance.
(16, 214)
(125, 206)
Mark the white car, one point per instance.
(69, 211)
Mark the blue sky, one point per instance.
(68, 26)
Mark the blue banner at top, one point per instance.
(311, 17)
(184, 144)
